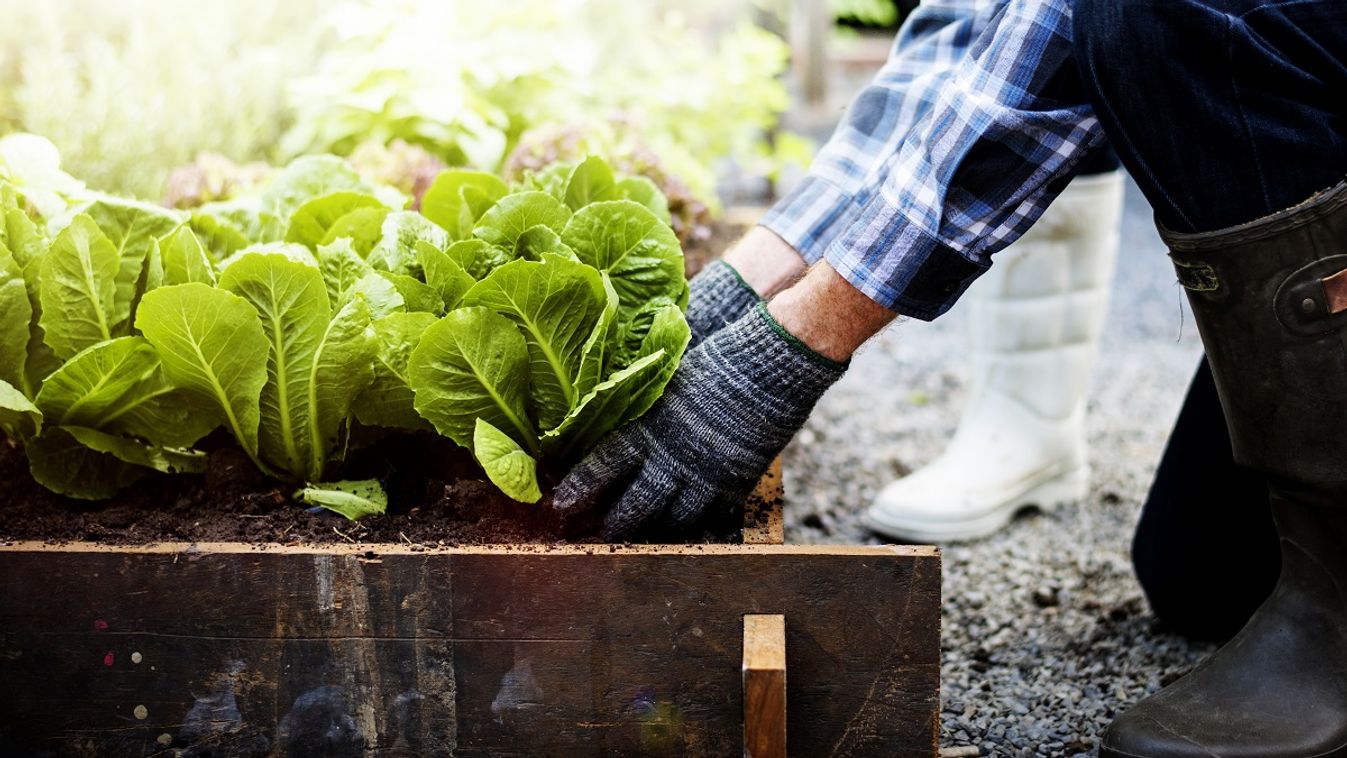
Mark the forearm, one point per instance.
(828, 314)
(765, 262)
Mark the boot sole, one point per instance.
(1068, 488)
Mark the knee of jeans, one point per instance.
(1115, 41)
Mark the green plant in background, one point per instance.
(31, 166)
(875, 13)
(130, 89)
(466, 80)
(523, 322)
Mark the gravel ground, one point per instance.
(1046, 634)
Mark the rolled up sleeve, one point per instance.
(1001, 133)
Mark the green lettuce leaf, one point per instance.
(16, 321)
(538, 241)
(402, 231)
(381, 294)
(184, 258)
(21, 236)
(293, 251)
(641, 190)
(551, 179)
(316, 363)
(352, 499)
(456, 199)
(63, 464)
(19, 417)
(118, 387)
(342, 268)
(472, 364)
(211, 344)
(626, 394)
(591, 181)
(130, 451)
(132, 227)
(515, 214)
(307, 178)
(477, 258)
(638, 251)
(79, 288)
(556, 304)
(443, 274)
(362, 226)
(389, 401)
(314, 220)
(417, 296)
(506, 464)
(601, 347)
(228, 227)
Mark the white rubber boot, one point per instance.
(1035, 316)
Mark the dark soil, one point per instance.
(438, 496)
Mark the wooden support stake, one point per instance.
(764, 686)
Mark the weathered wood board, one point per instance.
(231, 650)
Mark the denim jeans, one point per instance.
(1223, 111)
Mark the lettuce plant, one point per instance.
(523, 322)
(86, 395)
(544, 357)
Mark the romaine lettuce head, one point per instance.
(575, 333)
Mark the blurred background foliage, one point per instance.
(186, 102)
(129, 90)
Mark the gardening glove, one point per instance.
(729, 410)
(718, 296)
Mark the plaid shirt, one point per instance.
(965, 136)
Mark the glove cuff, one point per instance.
(758, 351)
(797, 344)
(718, 296)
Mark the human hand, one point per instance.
(732, 406)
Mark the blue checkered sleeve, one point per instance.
(948, 156)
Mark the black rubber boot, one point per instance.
(1270, 299)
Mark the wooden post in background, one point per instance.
(764, 686)
(810, 24)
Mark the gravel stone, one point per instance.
(1046, 634)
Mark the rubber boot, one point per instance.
(1035, 319)
(1270, 299)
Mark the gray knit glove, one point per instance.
(733, 404)
(718, 296)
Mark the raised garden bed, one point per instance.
(197, 377)
(390, 648)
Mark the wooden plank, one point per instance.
(470, 652)
(374, 552)
(764, 686)
(764, 522)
